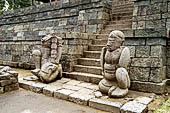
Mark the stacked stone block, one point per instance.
(148, 63)
(150, 18)
(21, 30)
(8, 80)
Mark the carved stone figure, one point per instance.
(47, 59)
(114, 62)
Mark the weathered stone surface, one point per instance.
(109, 106)
(141, 62)
(37, 87)
(50, 89)
(25, 84)
(132, 50)
(157, 88)
(133, 107)
(1, 90)
(5, 82)
(63, 93)
(115, 81)
(156, 41)
(158, 51)
(139, 74)
(80, 98)
(144, 100)
(11, 87)
(142, 51)
(157, 74)
(98, 94)
(133, 42)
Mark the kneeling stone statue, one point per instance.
(47, 59)
(114, 61)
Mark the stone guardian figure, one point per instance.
(47, 59)
(114, 61)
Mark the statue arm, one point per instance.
(102, 59)
(124, 58)
(59, 49)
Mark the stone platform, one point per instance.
(87, 94)
(8, 80)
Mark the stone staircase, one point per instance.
(121, 17)
(88, 68)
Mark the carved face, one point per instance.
(114, 43)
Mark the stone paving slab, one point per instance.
(83, 93)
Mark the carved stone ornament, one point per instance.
(47, 59)
(114, 61)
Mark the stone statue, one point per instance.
(114, 62)
(47, 59)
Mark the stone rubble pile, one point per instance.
(8, 79)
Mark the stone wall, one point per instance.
(8, 80)
(150, 18)
(148, 63)
(22, 29)
(150, 48)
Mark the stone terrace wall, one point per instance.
(22, 29)
(149, 46)
(150, 18)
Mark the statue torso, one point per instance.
(112, 59)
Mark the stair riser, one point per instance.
(92, 55)
(99, 42)
(121, 22)
(88, 70)
(89, 62)
(126, 33)
(119, 18)
(95, 48)
(102, 36)
(118, 27)
(94, 80)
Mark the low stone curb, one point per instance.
(83, 93)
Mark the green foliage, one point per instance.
(165, 107)
(14, 4)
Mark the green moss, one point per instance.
(165, 107)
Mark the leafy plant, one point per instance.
(165, 107)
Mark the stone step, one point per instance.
(89, 62)
(118, 26)
(120, 7)
(121, 14)
(128, 32)
(119, 17)
(88, 69)
(96, 47)
(86, 77)
(100, 41)
(92, 54)
(127, 21)
(122, 10)
(122, 4)
(99, 36)
(83, 93)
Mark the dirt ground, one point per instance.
(23, 101)
(22, 72)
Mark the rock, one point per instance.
(133, 107)
(109, 106)
(98, 94)
(118, 92)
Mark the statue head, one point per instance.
(115, 40)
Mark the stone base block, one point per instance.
(109, 106)
(158, 88)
